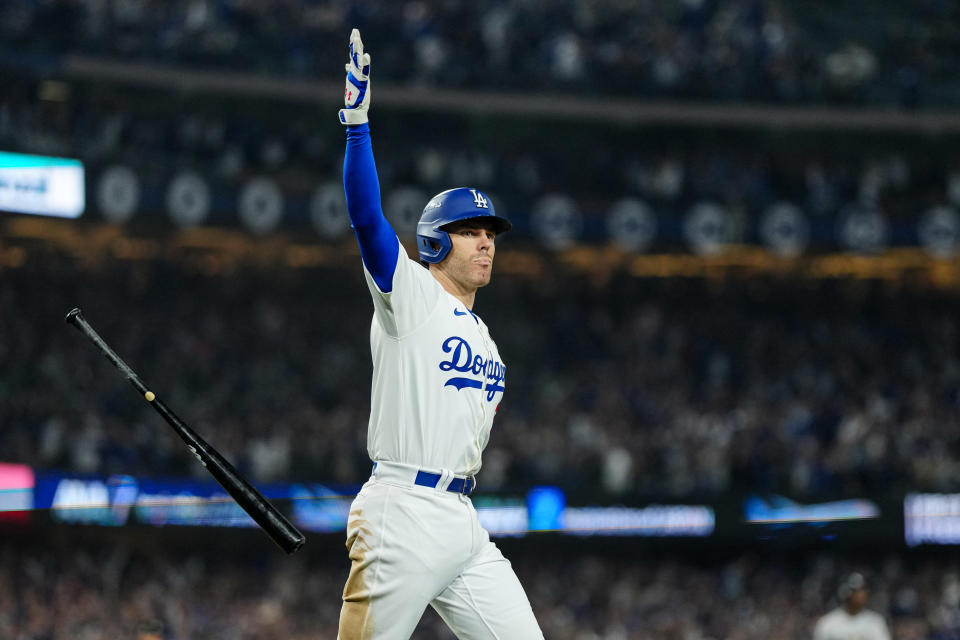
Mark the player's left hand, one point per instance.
(356, 96)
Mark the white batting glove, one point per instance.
(356, 96)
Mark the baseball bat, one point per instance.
(250, 500)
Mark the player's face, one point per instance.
(470, 261)
(858, 599)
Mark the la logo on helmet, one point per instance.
(479, 200)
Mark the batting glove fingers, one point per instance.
(356, 94)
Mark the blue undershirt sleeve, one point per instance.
(379, 246)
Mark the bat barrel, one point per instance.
(280, 530)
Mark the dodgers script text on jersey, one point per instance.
(463, 359)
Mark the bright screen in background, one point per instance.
(41, 185)
(120, 500)
(931, 518)
(16, 492)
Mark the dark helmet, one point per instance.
(450, 206)
(850, 585)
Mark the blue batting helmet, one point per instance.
(453, 205)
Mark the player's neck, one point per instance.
(464, 294)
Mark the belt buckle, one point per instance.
(463, 488)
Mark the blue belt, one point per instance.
(463, 486)
(457, 485)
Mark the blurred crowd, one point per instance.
(98, 591)
(720, 50)
(657, 387)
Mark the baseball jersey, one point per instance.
(437, 375)
(840, 625)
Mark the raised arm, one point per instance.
(379, 246)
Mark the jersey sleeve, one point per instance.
(378, 241)
(412, 298)
(404, 293)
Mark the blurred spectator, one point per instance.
(852, 620)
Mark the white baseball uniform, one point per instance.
(841, 625)
(437, 381)
(413, 533)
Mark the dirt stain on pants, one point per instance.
(355, 621)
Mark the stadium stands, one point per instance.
(629, 383)
(727, 50)
(92, 590)
(666, 387)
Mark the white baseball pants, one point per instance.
(413, 546)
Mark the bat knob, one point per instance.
(73, 315)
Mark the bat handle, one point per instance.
(75, 318)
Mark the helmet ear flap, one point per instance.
(433, 245)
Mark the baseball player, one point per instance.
(413, 534)
(852, 620)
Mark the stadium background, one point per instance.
(733, 283)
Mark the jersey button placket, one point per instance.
(483, 391)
